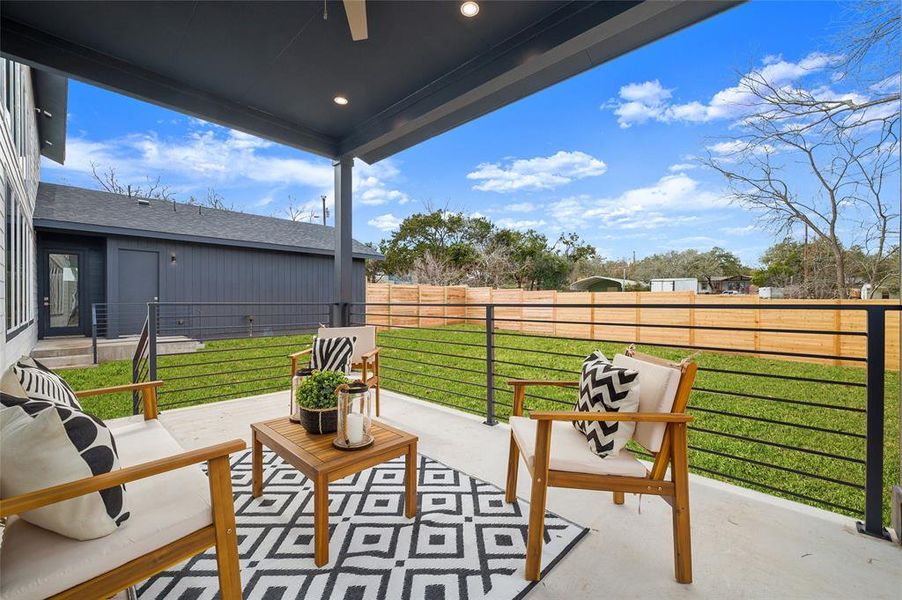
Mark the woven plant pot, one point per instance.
(319, 420)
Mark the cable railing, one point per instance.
(805, 421)
(793, 421)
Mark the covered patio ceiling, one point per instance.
(272, 69)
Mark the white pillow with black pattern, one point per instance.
(606, 388)
(332, 354)
(40, 383)
(45, 443)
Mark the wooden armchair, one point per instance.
(364, 361)
(571, 464)
(40, 563)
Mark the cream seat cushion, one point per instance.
(37, 563)
(569, 451)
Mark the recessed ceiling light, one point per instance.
(340, 100)
(469, 9)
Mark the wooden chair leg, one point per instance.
(224, 526)
(378, 411)
(537, 502)
(513, 466)
(679, 469)
(618, 497)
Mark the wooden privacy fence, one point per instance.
(636, 323)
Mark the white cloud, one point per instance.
(520, 223)
(520, 207)
(638, 103)
(387, 222)
(680, 167)
(747, 230)
(672, 200)
(539, 173)
(210, 155)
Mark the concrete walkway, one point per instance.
(745, 544)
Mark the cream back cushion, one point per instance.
(365, 334)
(657, 390)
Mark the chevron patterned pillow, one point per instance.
(606, 388)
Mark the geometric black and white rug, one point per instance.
(465, 543)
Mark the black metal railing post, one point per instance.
(876, 357)
(490, 365)
(94, 333)
(152, 314)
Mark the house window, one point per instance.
(19, 254)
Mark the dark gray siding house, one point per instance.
(120, 253)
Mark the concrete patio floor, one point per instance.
(745, 544)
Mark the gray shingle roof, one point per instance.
(80, 209)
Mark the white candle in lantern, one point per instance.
(354, 428)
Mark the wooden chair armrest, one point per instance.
(301, 353)
(131, 387)
(73, 489)
(541, 382)
(606, 416)
(371, 354)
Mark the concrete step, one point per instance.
(75, 361)
(42, 351)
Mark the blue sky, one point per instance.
(609, 154)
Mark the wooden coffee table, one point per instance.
(321, 462)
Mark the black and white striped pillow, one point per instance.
(40, 383)
(332, 354)
(606, 388)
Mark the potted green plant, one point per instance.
(317, 402)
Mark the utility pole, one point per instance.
(805, 260)
(325, 210)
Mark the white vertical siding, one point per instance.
(20, 169)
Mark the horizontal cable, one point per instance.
(238, 349)
(422, 362)
(768, 465)
(222, 396)
(781, 400)
(428, 341)
(688, 347)
(435, 389)
(228, 360)
(784, 377)
(444, 329)
(674, 305)
(418, 351)
(744, 438)
(193, 376)
(432, 376)
(243, 326)
(415, 316)
(670, 326)
(777, 422)
(218, 384)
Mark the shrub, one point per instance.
(318, 390)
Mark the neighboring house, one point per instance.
(98, 247)
(32, 124)
(735, 284)
(599, 283)
(674, 284)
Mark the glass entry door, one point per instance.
(62, 303)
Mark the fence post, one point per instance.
(490, 365)
(94, 332)
(876, 356)
(152, 312)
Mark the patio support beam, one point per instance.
(344, 289)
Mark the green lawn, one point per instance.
(235, 368)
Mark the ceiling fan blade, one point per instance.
(356, 11)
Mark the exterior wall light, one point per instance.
(340, 100)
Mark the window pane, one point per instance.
(64, 308)
(9, 257)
